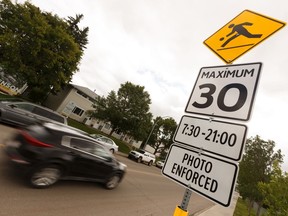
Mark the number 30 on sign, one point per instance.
(225, 91)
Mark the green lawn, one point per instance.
(242, 209)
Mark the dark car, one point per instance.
(22, 113)
(50, 152)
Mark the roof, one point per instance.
(86, 91)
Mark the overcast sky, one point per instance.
(159, 45)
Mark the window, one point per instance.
(89, 147)
(78, 111)
(48, 114)
(82, 145)
(101, 152)
(118, 132)
(105, 140)
(82, 94)
(107, 126)
(85, 96)
(24, 106)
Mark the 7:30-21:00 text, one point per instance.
(211, 135)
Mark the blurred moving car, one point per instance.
(19, 113)
(107, 142)
(142, 156)
(50, 152)
(159, 164)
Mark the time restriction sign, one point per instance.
(225, 91)
(222, 138)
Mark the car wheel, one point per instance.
(150, 163)
(113, 182)
(139, 159)
(44, 177)
(112, 151)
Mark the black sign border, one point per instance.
(252, 99)
(221, 155)
(199, 192)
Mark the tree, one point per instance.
(256, 166)
(140, 127)
(79, 35)
(275, 192)
(127, 111)
(39, 48)
(162, 133)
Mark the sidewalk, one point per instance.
(218, 210)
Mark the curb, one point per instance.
(203, 210)
(219, 210)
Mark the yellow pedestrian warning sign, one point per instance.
(241, 34)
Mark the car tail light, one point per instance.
(31, 140)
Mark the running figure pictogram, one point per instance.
(239, 30)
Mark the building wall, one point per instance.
(102, 126)
(75, 105)
(70, 104)
(54, 101)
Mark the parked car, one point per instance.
(50, 152)
(159, 164)
(143, 156)
(107, 142)
(21, 113)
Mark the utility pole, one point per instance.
(161, 118)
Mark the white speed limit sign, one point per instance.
(225, 91)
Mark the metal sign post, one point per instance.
(182, 210)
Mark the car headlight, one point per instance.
(122, 166)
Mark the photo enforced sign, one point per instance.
(207, 175)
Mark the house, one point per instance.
(73, 102)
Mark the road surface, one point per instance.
(143, 192)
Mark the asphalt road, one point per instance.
(143, 192)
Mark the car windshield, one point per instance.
(95, 135)
(23, 106)
(140, 151)
(48, 114)
(38, 111)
